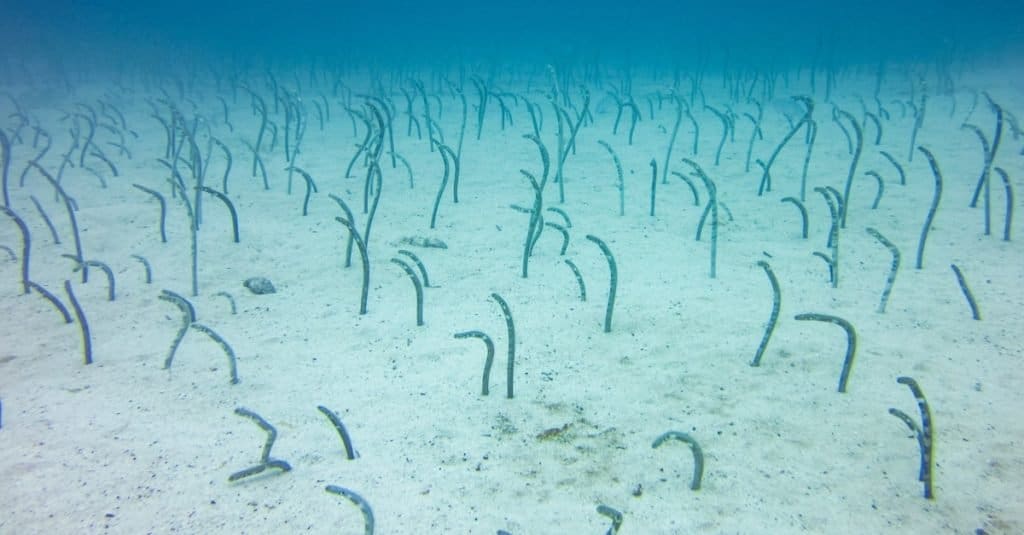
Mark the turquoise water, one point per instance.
(740, 32)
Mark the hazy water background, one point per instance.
(724, 33)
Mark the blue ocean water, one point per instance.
(737, 31)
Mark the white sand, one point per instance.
(124, 446)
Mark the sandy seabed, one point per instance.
(126, 446)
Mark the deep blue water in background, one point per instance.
(728, 31)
